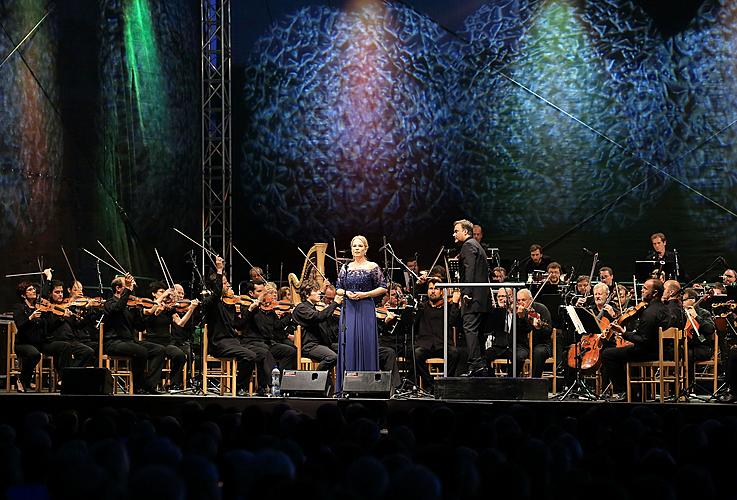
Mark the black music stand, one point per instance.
(583, 324)
(644, 269)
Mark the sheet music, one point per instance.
(575, 320)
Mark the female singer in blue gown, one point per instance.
(360, 281)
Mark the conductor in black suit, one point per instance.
(474, 268)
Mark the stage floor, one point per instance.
(16, 406)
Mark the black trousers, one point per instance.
(540, 353)
(326, 357)
(246, 358)
(502, 352)
(69, 354)
(178, 358)
(614, 363)
(29, 356)
(147, 360)
(422, 354)
(472, 322)
(697, 352)
(388, 363)
(285, 355)
(265, 361)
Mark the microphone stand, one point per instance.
(388, 248)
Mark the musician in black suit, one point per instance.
(644, 339)
(499, 326)
(429, 334)
(534, 317)
(473, 268)
(666, 261)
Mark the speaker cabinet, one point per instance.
(96, 381)
(368, 384)
(303, 383)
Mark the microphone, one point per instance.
(385, 245)
(588, 251)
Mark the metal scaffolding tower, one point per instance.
(217, 180)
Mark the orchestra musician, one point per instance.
(121, 337)
(666, 261)
(581, 296)
(729, 278)
(429, 332)
(474, 268)
(701, 331)
(554, 279)
(30, 329)
(538, 261)
(260, 326)
(606, 276)
(601, 305)
(316, 341)
(182, 330)
(672, 300)
(499, 274)
(222, 335)
(59, 339)
(534, 317)
(158, 321)
(644, 339)
(478, 235)
(499, 341)
(85, 328)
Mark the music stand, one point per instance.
(644, 269)
(582, 324)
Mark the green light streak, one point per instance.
(144, 69)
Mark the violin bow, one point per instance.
(209, 253)
(116, 269)
(163, 270)
(168, 273)
(437, 257)
(248, 262)
(68, 263)
(311, 263)
(111, 255)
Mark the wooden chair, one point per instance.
(709, 367)
(660, 372)
(12, 366)
(502, 366)
(303, 362)
(434, 367)
(553, 360)
(225, 370)
(45, 369)
(121, 367)
(46, 374)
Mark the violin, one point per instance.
(531, 315)
(182, 306)
(320, 306)
(280, 305)
(144, 302)
(44, 305)
(241, 300)
(85, 302)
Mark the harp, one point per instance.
(316, 255)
